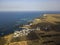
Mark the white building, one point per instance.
(38, 28)
(16, 34)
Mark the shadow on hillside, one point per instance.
(44, 26)
(32, 36)
(56, 27)
(47, 26)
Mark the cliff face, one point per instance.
(49, 33)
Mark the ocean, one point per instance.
(10, 21)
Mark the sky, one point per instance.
(29, 5)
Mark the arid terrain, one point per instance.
(49, 33)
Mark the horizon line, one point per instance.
(27, 10)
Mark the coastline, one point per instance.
(46, 31)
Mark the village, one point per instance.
(24, 32)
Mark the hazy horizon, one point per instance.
(29, 5)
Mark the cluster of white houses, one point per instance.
(24, 32)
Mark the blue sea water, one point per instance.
(8, 20)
